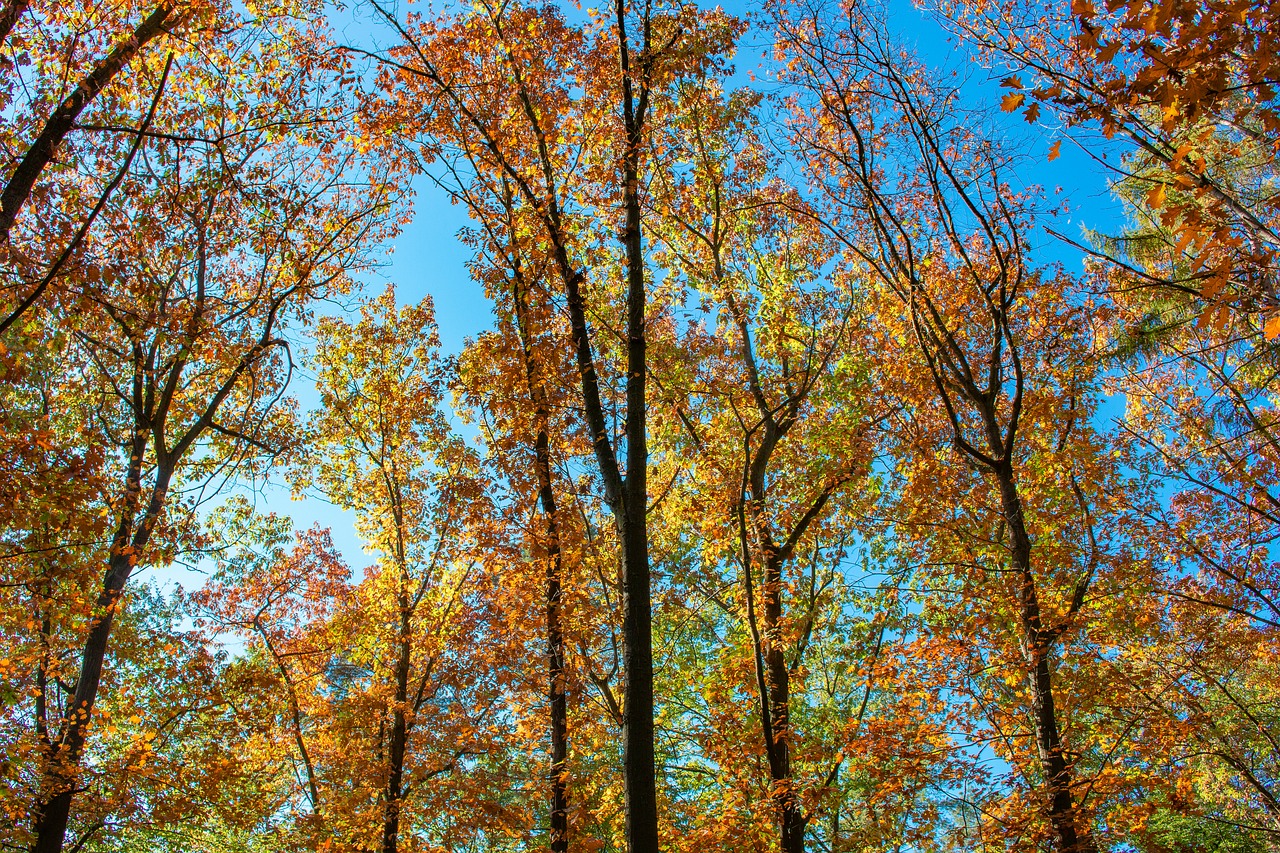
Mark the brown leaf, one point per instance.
(1012, 101)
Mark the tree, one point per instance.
(174, 358)
(921, 204)
(55, 105)
(519, 416)
(1190, 89)
(783, 431)
(381, 447)
(793, 500)
(279, 601)
(520, 121)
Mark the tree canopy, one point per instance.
(820, 478)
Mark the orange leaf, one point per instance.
(1155, 198)
(1214, 284)
(1054, 150)
(1220, 318)
(1012, 101)
(1272, 329)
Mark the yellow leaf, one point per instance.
(1012, 101)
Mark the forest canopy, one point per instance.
(820, 477)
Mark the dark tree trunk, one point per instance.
(399, 728)
(557, 690)
(1037, 642)
(638, 731)
(63, 756)
(627, 499)
(625, 485)
(557, 693)
(791, 817)
(632, 521)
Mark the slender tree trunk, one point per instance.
(637, 718)
(627, 500)
(63, 757)
(557, 694)
(637, 616)
(625, 486)
(295, 714)
(1072, 837)
(557, 690)
(791, 819)
(399, 729)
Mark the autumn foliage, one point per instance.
(816, 481)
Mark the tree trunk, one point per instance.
(791, 819)
(557, 691)
(637, 618)
(626, 487)
(637, 716)
(63, 757)
(399, 729)
(557, 694)
(1061, 806)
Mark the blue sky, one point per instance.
(428, 259)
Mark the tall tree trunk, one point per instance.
(772, 675)
(632, 521)
(557, 693)
(1072, 837)
(625, 485)
(637, 718)
(399, 727)
(791, 818)
(557, 690)
(64, 756)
